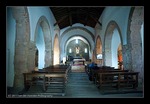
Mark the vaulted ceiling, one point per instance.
(67, 16)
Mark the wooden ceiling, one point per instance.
(67, 16)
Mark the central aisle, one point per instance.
(79, 86)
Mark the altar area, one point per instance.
(78, 65)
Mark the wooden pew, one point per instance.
(57, 67)
(50, 71)
(47, 78)
(95, 73)
(124, 79)
(54, 68)
(31, 79)
(55, 80)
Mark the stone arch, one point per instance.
(56, 51)
(46, 48)
(135, 39)
(21, 17)
(112, 39)
(83, 39)
(74, 31)
(80, 28)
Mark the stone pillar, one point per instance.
(136, 41)
(127, 58)
(31, 56)
(93, 56)
(136, 49)
(48, 47)
(48, 58)
(21, 47)
(52, 56)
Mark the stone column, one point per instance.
(48, 46)
(136, 41)
(48, 57)
(127, 57)
(21, 47)
(134, 38)
(31, 56)
(137, 62)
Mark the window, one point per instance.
(76, 41)
(70, 51)
(85, 50)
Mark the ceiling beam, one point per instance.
(95, 20)
(85, 13)
(60, 20)
(86, 18)
(70, 17)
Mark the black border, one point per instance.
(75, 2)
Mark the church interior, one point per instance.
(75, 52)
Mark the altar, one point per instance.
(79, 61)
(78, 65)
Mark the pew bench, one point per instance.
(96, 72)
(50, 71)
(33, 79)
(52, 80)
(118, 79)
(55, 81)
(92, 71)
